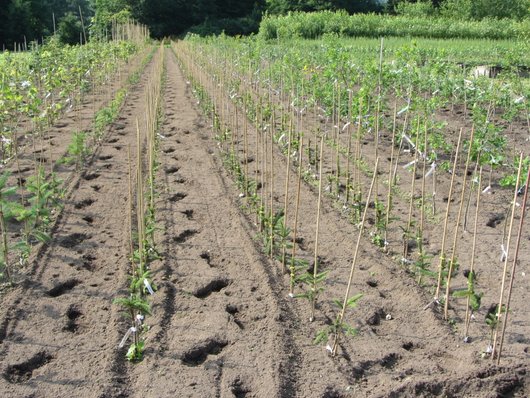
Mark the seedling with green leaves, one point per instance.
(5, 214)
(421, 267)
(493, 320)
(378, 236)
(338, 326)
(77, 150)
(136, 308)
(473, 299)
(313, 283)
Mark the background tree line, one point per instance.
(28, 20)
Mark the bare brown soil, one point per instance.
(222, 323)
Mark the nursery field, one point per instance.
(243, 218)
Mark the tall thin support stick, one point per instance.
(505, 268)
(286, 202)
(406, 233)
(441, 266)
(378, 108)
(473, 251)
(354, 262)
(140, 201)
(295, 222)
(315, 264)
(457, 228)
(390, 180)
(514, 266)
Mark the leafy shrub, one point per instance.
(315, 25)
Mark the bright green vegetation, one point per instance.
(315, 25)
(36, 88)
(39, 85)
(387, 110)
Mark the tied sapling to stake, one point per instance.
(349, 302)
(315, 279)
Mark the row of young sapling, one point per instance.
(142, 210)
(242, 113)
(28, 203)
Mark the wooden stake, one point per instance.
(473, 251)
(354, 262)
(505, 269)
(457, 225)
(514, 264)
(295, 224)
(287, 175)
(444, 234)
(315, 264)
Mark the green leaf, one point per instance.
(9, 191)
(41, 236)
(134, 303)
(349, 330)
(461, 293)
(352, 301)
(322, 336)
(338, 303)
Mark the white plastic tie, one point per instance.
(519, 100)
(409, 164)
(403, 110)
(431, 170)
(407, 138)
(148, 287)
(504, 253)
(126, 337)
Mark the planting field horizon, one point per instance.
(265, 217)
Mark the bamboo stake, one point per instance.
(315, 264)
(354, 261)
(455, 236)
(287, 175)
(422, 206)
(295, 225)
(378, 108)
(406, 233)
(444, 234)
(505, 269)
(272, 215)
(245, 144)
(348, 153)
(139, 202)
(131, 239)
(390, 179)
(473, 251)
(514, 265)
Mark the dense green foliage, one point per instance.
(314, 25)
(28, 20)
(39, 85)
(427, 75)
(284, 6)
